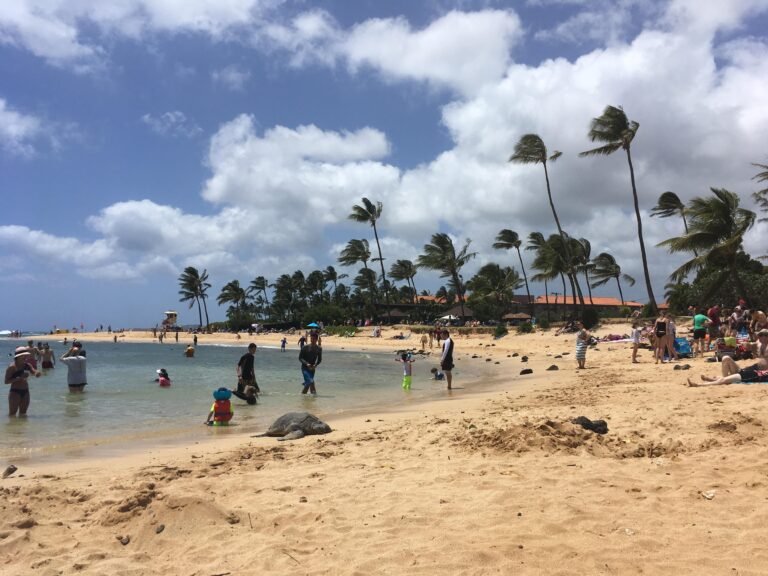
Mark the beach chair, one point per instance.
(683, 347)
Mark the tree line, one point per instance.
(714, 228)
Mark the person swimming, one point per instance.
(163, 379)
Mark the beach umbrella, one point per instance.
(313, 325)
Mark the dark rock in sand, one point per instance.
(596, 426)
(159, 528)
(553, 367)
(9, 470)
(558, 356)
(515, 355)
(526, 371)
(524, 359)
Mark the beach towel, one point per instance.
(683, 348)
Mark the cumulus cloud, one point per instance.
(231, 77)
(172, 124)
(18, 131)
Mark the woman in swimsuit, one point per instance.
(660, 331)
(17, 374)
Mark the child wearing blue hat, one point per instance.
(221, 409)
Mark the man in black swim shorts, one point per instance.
(446, 360)
(74, 358)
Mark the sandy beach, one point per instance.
(498, 482)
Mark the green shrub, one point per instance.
(500, 331)
(543, 324)
(525, 328)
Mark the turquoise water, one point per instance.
(123, 405)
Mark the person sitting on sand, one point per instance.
(436, 374)
(751, 375)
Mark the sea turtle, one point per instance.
(295, 425)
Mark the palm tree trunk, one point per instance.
(383, 274)
(621, 295)
(205, 306)
(566, 248)
(573, 289)
(199, 311)
(525, 278)
(546, 299)
(459, 293)
(415, 294)
(578, 289)
(651, 298)
(685, 225)
(565, 293)
(589, 288)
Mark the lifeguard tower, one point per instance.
(171, 316)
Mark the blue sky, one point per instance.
(138, 137)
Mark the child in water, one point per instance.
(436, 374)
(163, 379)
(407, 361)
(221, 409)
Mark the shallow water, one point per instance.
(123, 405)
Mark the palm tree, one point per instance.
(194, 287)
(716, 231)
(761, 196)
(440, 254)
(233, 293)
(369, 213)
(355, 251)
(505, 240)
(669, 204)
(605, 268)
(497, 284)
(530, 149)
(259, 285)
(550, 262)
(331, 275)
(404, 270)
(616, 131)
(583, 252)
(316, 284)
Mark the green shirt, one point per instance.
(700, 321)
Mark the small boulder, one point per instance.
(526, 371)
(596, 426)
(553, 367)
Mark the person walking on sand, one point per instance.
(17, 375)
(424, 340)
(246, 376)
(636, 332)
(407, 361)
(582, 341)
(700, 323)
(74, 358)
(446, 360)
(310, 357)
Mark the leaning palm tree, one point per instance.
(440, 254)
(189, 282)
(583, 253)
(355, 251)
(505, 240)
(369, 213)
(616, 132)
(543, 261)
(669, 204)
(496, 284)
(404, 270)
(530, 149)
(716, 232)
(331, 275)
(605, 268)
(259, 285)
(234, 294)
(761, 196)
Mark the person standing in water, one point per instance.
(246, 375)
(310, 357)
(74, 358)
(17, 375)
(407, 362)
(446, 360)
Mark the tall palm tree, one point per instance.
(194, 288)
(506, 240)
(616, 132)
(530, 149)
(404, 270)
(189, 282)
(716, 231)
(761, 196)
(440, 254)
(583, 255)
(605, 268)
(369, 213)
(669, 204)
(316, 284)
(545, 261)
(331, 275)
(259, 285)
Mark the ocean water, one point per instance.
(123, 406)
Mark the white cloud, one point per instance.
(18, 131)
(172, 124)
(231, 77)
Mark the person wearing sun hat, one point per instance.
(17, 375)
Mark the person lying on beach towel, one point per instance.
(751, 375)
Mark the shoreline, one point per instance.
(493, 482)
